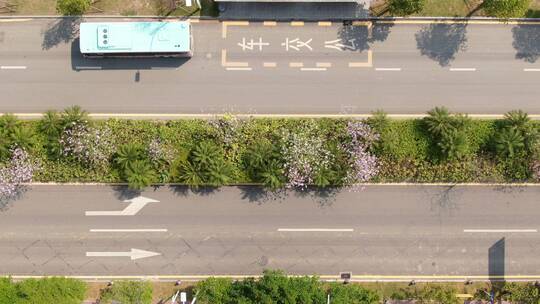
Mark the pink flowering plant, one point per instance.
(18, 171)
(363, 164)
(88, 145)
(304, 155)
(227, 127)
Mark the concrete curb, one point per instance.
(172, 116)
(260, 185)
(329, 278)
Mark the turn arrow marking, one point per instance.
(134, 254)
(136, 204)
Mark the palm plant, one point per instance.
(272, 175)
(8, 122)
(139, 174)
(190, 174)
(5, 145)
(51, 124)
(258, 157)
(453, 144)
(378, 120)
(205, 154)
(517, 119)
(439, 121)
(508, 142)
(73, 115)
(128, 154)
(219, 174)
(23, 137)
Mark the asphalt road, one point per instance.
(475, 68)
(382, 230)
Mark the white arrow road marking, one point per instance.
(134, 254)
(136, 204)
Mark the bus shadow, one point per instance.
(79, 63)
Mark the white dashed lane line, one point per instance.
(239, 69)
(500, 230)
(462, 69)
(388, 69)
(313, 69)
(531, 70)
(12, 67)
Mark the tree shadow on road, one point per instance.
(526, 42)
(441, 42)
(357, 38)
(7, 201)
(60, 31)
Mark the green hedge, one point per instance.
(38, 291)
(406, 150)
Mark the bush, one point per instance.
(50, 290)
(127, 292)
(506, 8)
(405, 7)
(352, 294)
(72, 7)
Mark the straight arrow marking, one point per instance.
(136, 204)
(134, 254)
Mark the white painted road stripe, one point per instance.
(128, 230)
(462, 69)
(388, 69)
(531, 70)
(313, 69)
(501, 230)
(313, 230)
(239, 69)
(88, 68)
(13, 67)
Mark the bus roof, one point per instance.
(135, 37)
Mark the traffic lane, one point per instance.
(252, 252)
(378, 210)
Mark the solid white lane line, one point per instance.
(13, 67)
(388, 69)
(531, 70)
(313, 69)
(239, 69)
(313, 230)
(128, 230)
(462, 69)
(501, 230)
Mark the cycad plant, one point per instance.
(73, 115)
(128, 154)
(23, 137)
(51, 124)
(8, 122)
(139, 174)
(453, 144)
(508, 142)
(439, 121)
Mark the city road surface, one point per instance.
(290, 68)
(380, 230)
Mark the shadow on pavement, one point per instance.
(61, 30)
(79, 63)
(526, 42)
(496, 266)
(441, 42)
(358, 38)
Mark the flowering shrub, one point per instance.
(90, 146)
(227, 128)
(157, 151)
(19, 170)
(303, 154)
(364, 165)
(535, 169)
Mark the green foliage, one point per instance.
(214, 291)
(405, 7)
(139, 174)
(521, 293)
(127, 154)
(8, 291)
(72, 7)
(453, 144)
(509, 142)
(50, 290)
(352, 294)
(263, 164)
(448, 132)
(378, 121)
(506, 9)
(74, 115)
(23, 137)
(51, 124)
(128, 292)
(428, 294)
(8, 122)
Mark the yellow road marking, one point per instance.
(226, 24)
(269, 23)
(226, 63)
(325, 23)
(296, 64)
(14, 20)
(367, 24)
(464, 295)
(297, 23)
(323, 64)
(487, 22)
(194, 20)
(269, 64)
(367, 64)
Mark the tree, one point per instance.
(506, 9)
(139, 174)
(72, 7)
(127, 154)
(405, 7)
(127, 292)
(214, 291)
(508, 142)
